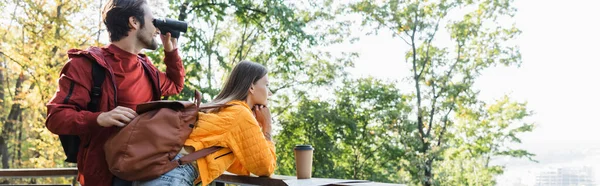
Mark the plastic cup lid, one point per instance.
(304, 147)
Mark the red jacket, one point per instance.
(68, 115)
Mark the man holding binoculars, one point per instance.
(99, 88)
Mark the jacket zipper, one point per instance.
(223, 155)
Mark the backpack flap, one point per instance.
(153, 105)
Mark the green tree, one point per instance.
(275, 33)
(443, 73)
(354, 135)
(284, 36)
(481, 132)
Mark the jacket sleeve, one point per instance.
(237, 168)
(171, 81)
(254, 153)
(67, 108)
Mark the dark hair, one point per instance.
(241, 78)
(116, 14)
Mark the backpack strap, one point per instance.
(98, 76)
(197, 97)
(197, 155)
(212, 106)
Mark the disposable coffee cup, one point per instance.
(304, 156)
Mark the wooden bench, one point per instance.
(41, 172)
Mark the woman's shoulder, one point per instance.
(237, 105)
(237, 109)
(231, 106)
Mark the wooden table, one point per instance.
(279, 180)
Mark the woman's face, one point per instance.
(259, 91)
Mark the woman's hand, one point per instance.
(263, 116)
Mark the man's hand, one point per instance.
(169, 43)
(263, 116)
(119, 117)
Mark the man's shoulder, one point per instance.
(76, 52)
(85, 56)
(78, 58)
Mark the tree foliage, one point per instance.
(273, 32)
(437, 132)
(35, 37)
(444, 69)
(354, 135)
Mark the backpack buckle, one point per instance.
(96, 91)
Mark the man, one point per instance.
(130, 80)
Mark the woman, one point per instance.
(243, 129)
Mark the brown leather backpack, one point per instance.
(146, 147)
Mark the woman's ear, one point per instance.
(251, 89)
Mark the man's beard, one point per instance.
(148, 42)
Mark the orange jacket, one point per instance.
(246, 149)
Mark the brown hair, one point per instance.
(241, 78)
(116, 14)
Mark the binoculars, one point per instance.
(170, 25)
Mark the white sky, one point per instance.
(559, 75)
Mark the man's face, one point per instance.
(147, 34)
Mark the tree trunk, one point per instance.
(57, 31)
(428, 180)
(183, 9)
(1, 86)
(4, 153)
(8, 128)
(3, 144)
(99, 22)
(19, 142)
